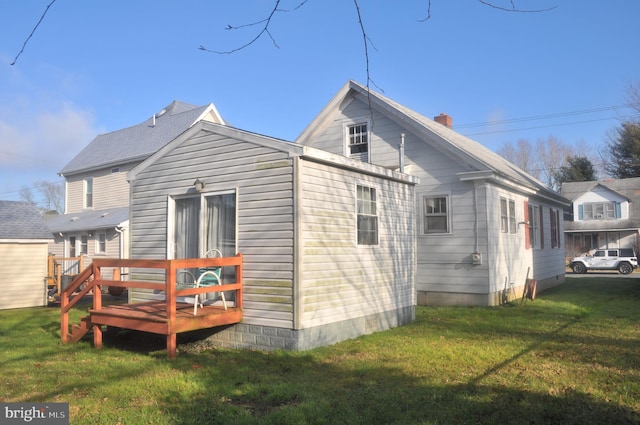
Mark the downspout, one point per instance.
(121, 230)
(402, 152)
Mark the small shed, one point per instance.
(328, 242)
(24, 238)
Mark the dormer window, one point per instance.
(599, 211)
(358, 142)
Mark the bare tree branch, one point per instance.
(32, 32)
(365, 39)
(514, 8)
(428, 12)
(263, 31)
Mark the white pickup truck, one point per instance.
(622, 259)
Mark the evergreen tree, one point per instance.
(578, 169)
(624, 152)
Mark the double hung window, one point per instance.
(507, 215)
(436, 214)
(600, 211)
(88, 193)
(367, 216)
(358, 142)
(101, 243)
(534, 226)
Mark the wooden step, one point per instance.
(78, 331)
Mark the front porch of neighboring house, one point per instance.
(175, 308)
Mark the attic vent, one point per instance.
(161, 113)
(75, 219)
(104, 214)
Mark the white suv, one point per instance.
(622, 259)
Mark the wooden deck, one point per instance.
(167, 316)
(152, 317)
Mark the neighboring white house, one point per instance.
(482, 223)
(328, 242)
(24, 238)
(96, 218)
(604, 214)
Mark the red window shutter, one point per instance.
(552, 223)
(541, 229)
(558, 228)
(527, 240)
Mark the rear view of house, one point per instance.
(483, 225)
(328, 243)
(24, 238)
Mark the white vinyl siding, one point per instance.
(110, 189)
(321, 277)
(22, 280)
(340, 281)
(263, 179)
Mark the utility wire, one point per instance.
(547, 116)
(549, 125)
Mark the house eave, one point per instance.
(342, 161)
(614, 229)
(492, 176)
(26, 241)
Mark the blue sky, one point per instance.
(98, 66)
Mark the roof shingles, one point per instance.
(137, 142)
(22, 220)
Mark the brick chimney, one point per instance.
(444, 119)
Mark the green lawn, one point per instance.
(569, 357)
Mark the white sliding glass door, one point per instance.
(203, 223)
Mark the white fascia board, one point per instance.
(317, 155)
(26, 241)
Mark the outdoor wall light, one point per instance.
(199, 185)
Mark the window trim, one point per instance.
(611, 210)
(376, 192)
(508, 216)
(423, 215)
(513, 222)
(171, 211)
(87, 184)
(98, 249)
(84, 245)
(347, 138)
(504, 215)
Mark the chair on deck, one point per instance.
(207, 276)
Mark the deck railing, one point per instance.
(91, 281)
